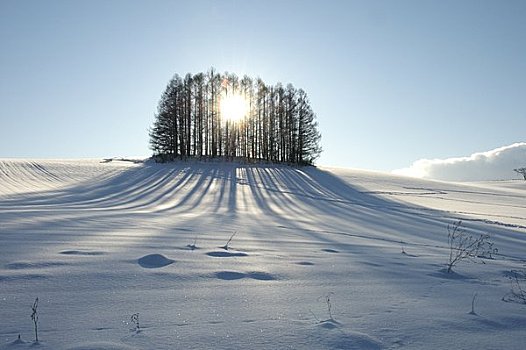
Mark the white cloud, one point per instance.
(497, 164)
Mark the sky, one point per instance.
(391, 82)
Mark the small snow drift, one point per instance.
(261, 276)
(234, 275)
(497, 164)
(18, 341)
(332, 335)
(226, 254)
(329, 250)
(81, 252)
(154, 261)
(230, 275)
(23, 265)
(102, 346)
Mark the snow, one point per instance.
(97, 242)
(153, 261)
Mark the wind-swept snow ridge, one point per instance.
(321, 259)
(26, 175)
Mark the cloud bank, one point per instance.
(497, 164)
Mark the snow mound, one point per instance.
(352, 340)
(333, 335)
(234, 275)
(102, 346)
(226, 254)
(153, 261)
(19, 341)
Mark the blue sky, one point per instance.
(391, 81)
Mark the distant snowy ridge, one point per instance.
(497, 164)
(35, 175)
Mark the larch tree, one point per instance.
(220, 115)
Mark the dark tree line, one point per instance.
(279, 124)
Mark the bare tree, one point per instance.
(521, 171)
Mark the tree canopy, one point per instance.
(521, 171)
(220, 115)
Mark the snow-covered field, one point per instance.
(97, 242)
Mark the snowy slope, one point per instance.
(97, 242)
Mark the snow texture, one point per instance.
(321, 259)
(153, 261)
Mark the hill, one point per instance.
(319, 258)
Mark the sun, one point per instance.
(233, 107)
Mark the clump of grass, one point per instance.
(226, 246)
(517, 292)
(463, 245)
(135, 320)
(328, 302)
(193, 246)
(472, 312)
(34, 318)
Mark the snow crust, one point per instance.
(97, 242)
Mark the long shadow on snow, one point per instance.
(307, 197)
(146, 187)
(295, 198)
(130, 186)
(105, 205)
(303, 198)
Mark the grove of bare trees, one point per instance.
(277, 123)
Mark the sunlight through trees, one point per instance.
(221, 115)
